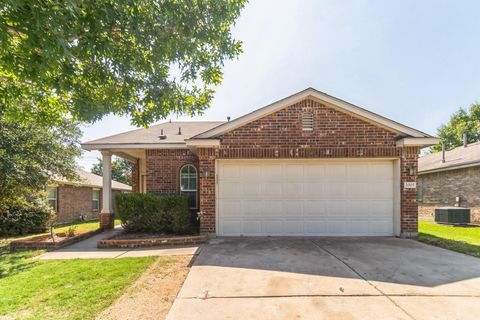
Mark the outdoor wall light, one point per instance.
(206, 172)
(412, 170)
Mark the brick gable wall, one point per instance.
(331, 128)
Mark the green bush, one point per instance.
(149, 212)
(24, 218)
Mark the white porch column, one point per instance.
(106, 215)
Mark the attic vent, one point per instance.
(307, 121)
(162, 136)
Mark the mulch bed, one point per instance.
(147, 240)
(45, 242)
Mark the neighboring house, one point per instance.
(80, 199)
(309, 164)
(452, 179)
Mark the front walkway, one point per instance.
(87, 249)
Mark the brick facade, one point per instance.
(163, 169)
(279, 135)
(74, 201)
(441, 188)
(136, 176)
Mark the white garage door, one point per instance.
(308, 197)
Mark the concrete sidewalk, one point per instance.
(87, 249)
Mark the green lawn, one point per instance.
(63, 289)
(81, 227)
(465, 239)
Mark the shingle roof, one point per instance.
(92, 180)
(151, 135)
(457, 157)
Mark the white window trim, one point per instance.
(96, 200)
(53, 199)
(196, 185)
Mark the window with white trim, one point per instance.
(307, 121)
(96, 199)
(52, 197)
(189, 184)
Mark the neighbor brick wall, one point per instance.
(441, 188)
(74, 201)
(335, 135)
(163, 169)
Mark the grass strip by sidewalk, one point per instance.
(464, 239)
(63, 289)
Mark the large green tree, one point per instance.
(84, 59)
(121, 170)
(463, 121)
(32, 154)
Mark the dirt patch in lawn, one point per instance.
(152, 295)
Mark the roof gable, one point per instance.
(324, 98)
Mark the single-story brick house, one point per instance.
(450, 179)
(80, 199)
(310, 164)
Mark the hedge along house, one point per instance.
(450, 179)
(75, 200)
(309, 164)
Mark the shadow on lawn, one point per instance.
(14, 263)
(454, 245)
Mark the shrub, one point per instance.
(149, 212)
(24, 218)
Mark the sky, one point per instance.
(415, 62)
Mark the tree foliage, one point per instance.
(86, 58)
(121, 170)
(32, 154)
(462, 121)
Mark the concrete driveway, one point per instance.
(328, 278)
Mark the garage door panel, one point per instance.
(293, 207)
(252, 207)
(293, 227)
(335, 189)
(314, 172)
(230, 190)
(252, 227)
(337, 208)
(272, 190)
(273, 208)
(251, 172)
(232, 227)
(251, 189)
(292, 189)
(230, 171)
(358, 189)
(314, 189)
(231, 208)
(336, 227)
(315, 227)
(272, 227)
(315, 207)
(305, 197)
(272, 173)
